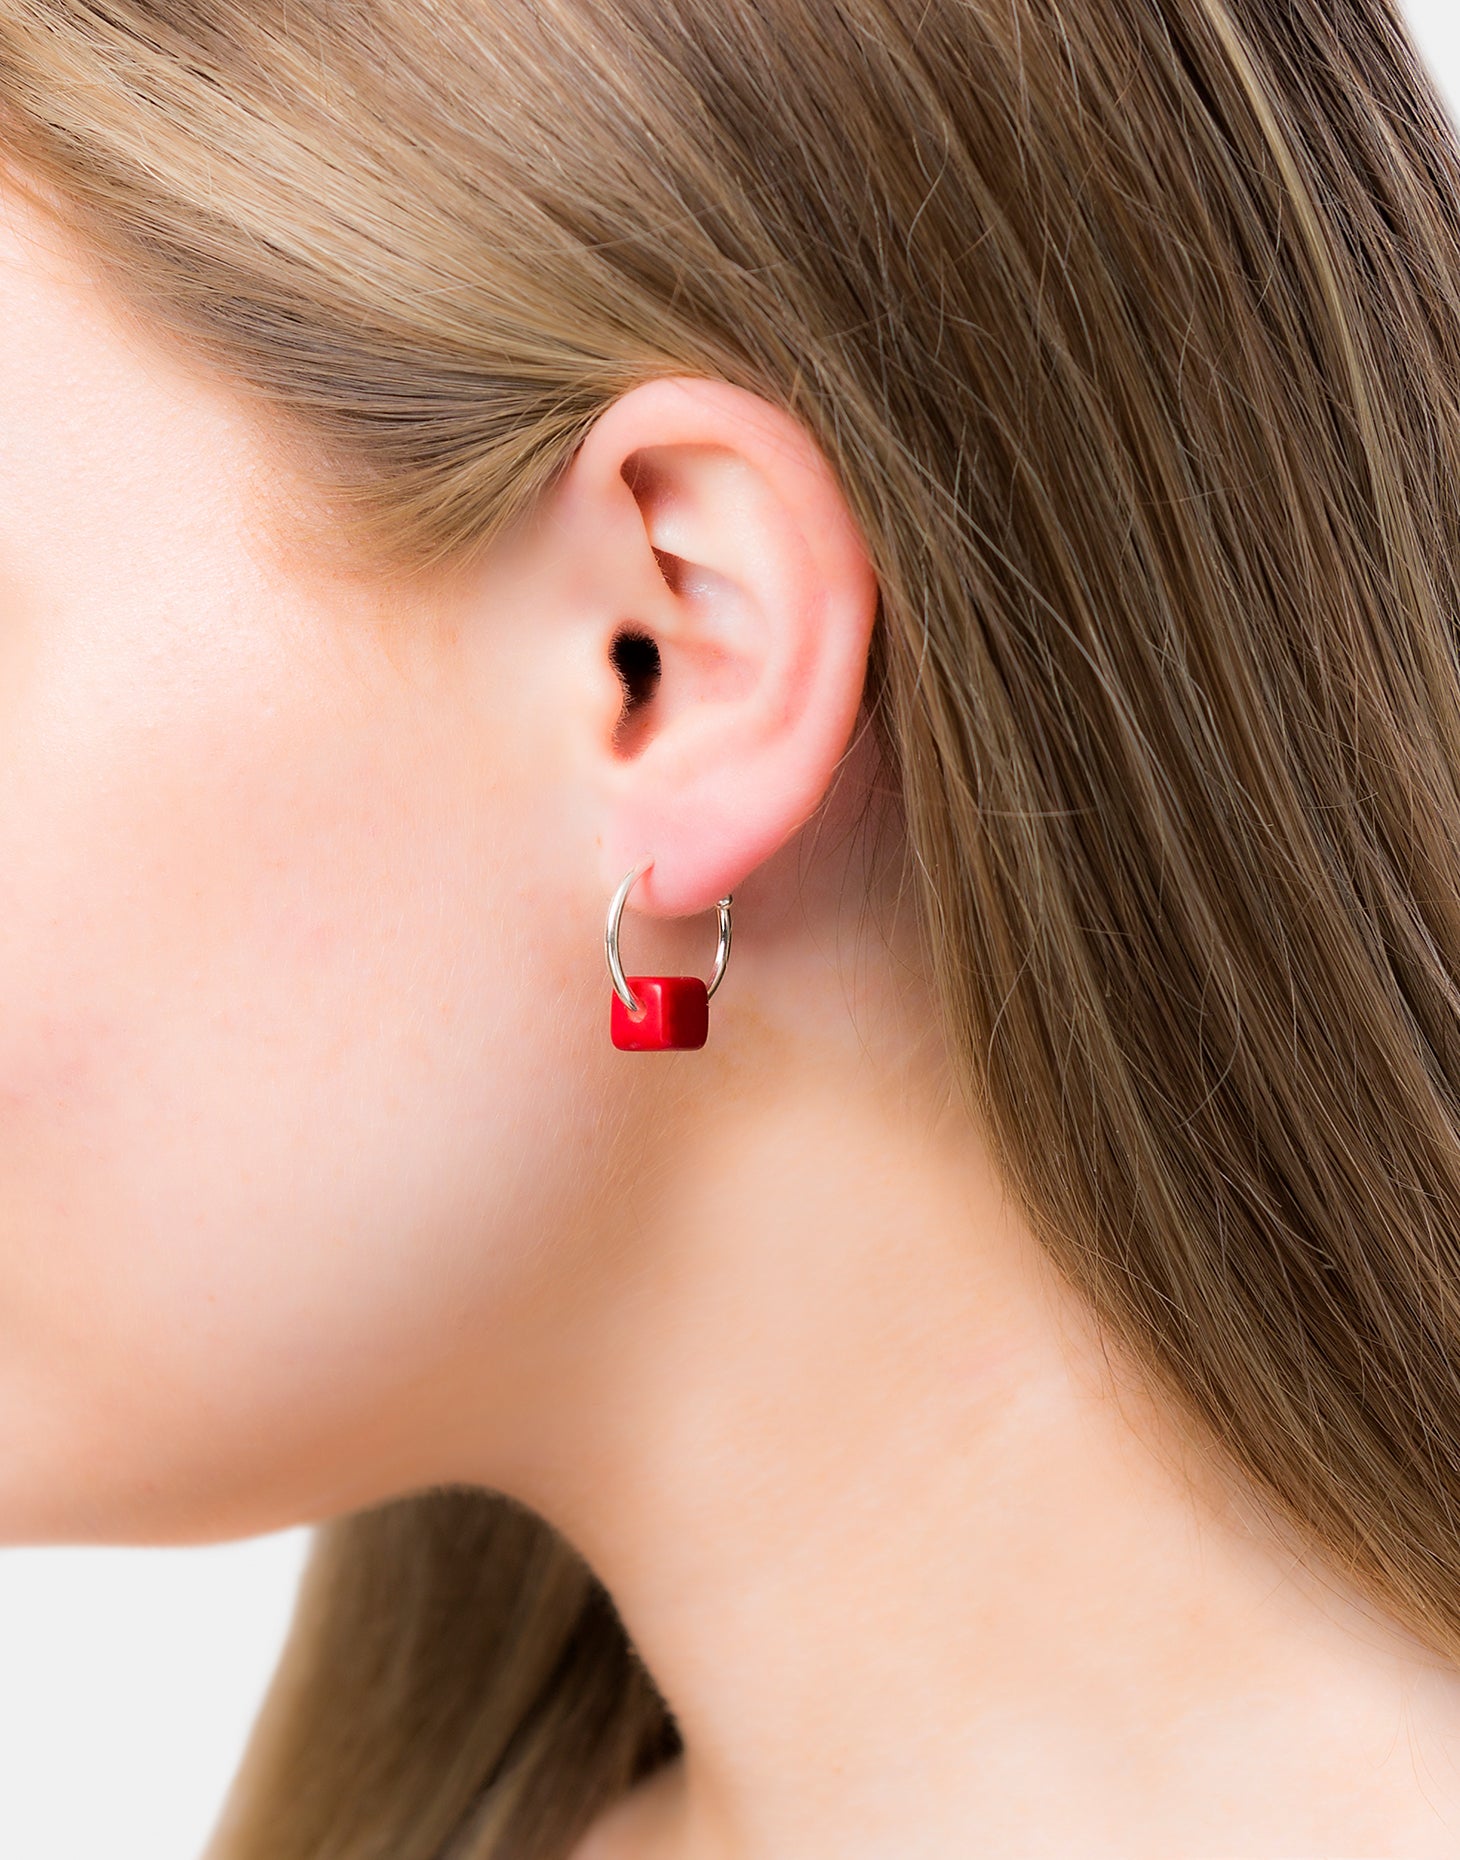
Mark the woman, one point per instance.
(493, 495)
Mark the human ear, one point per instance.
(734, 600)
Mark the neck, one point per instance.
(918, 1567)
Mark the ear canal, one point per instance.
(636, 661)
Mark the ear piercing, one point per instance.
(669, 1013)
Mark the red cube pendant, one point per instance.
(675, 1016)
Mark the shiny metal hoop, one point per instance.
(610, 937)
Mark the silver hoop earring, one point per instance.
(671, 1013)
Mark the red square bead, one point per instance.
(676, 1014)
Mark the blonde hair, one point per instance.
(1131, 332)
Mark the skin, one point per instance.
(321, 1181)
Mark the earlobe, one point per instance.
(738, 634)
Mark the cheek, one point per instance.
(297, 1087)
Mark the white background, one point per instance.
(1435, 24)
(128, 1678)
